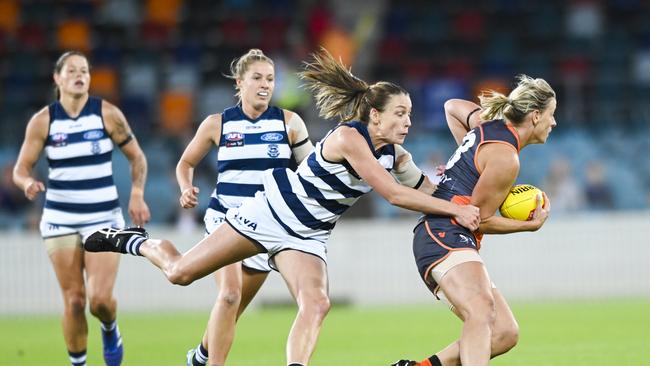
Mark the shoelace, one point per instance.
(110, 232)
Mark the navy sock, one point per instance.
(109, 327)
(133, 245)
(296, 364)
(203, 350)
(77, 358)
(111, 335)
(200, 356)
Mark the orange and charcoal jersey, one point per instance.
(435, 235)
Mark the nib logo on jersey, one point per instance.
(246, 222)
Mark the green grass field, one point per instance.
(578, 333)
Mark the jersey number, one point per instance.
(468, 141)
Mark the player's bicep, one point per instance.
(461, 117)
(405, 170)
(132, 150)
(207, 135)
(355, 150)
(35, 138)
(301, 145)
(500, 166)
(116, 125)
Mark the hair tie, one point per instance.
(510, 101)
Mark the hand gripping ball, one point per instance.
(521, 202)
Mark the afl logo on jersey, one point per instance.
(271, 137)
(273, 151)
(93, 135)
(59, 139)
(234, 139)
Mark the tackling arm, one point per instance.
(347, 144)
(408, 174)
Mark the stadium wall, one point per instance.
(371, 263)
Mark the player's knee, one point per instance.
(229, 297)
(101, 304)
(505, 339)
(481, 309)
(316, 304)
(75, 302)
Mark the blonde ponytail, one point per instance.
(529, 95)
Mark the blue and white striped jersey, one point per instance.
(308, 202)
(80, 188)
(247, 147)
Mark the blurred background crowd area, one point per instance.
(163, 63)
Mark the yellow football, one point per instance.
(521, 202)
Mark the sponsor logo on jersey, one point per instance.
(246, 222)
(272, 137)
(253, 127)
(94, 135)
(234, 139)
(60, 139)
(273, 151)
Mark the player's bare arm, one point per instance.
(462, 116)
(499, 166)
(121, 134)
(205, 138)
(35, 137)
(408, 174)
(351, 146)
(299, 140)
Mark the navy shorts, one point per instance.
(434, 239)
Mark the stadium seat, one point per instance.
(32, 36)
(74, 35)
(9, 15)
(176, 112)
(104, 83)
(163, 12)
